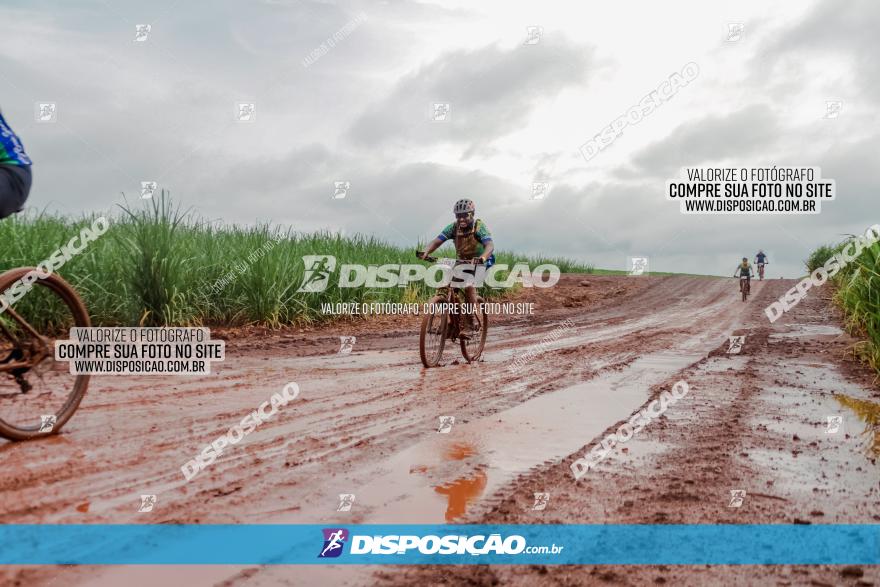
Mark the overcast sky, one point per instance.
(165, 110)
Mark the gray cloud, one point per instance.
(831, 28)
(492, 92)
(752, 130)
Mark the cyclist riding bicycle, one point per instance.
(760, 261)
(760, 258)
(15, 171)
(473, 241)
(744, 269)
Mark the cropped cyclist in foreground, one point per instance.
(473, 241)
(15, 171)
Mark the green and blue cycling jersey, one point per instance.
(11, 147)
(469, 244)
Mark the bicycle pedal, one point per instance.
(23, 383)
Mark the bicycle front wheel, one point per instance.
(472, 348)
(432, 337)
(38, 395)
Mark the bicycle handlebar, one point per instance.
(434, 259)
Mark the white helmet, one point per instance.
(464, 206)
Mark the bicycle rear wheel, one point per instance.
(432, 336)
(38, 395)
(472, 348)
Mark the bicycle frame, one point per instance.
(450, 295)
(37, 351)
(453, 295)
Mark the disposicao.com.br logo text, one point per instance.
(334, 540)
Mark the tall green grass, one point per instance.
(159, 264)
(818, 257)
(858, 294)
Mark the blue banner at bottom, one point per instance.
(137, 544)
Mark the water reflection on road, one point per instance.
(869, 413)
(465, 489)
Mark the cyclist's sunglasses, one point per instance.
(463, 215)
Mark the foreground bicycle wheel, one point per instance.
(472, 348)
(432, 336)
(38, 395)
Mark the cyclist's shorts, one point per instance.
(15, 185)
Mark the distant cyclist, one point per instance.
(473, 242)
(15, 171)
(744, 269)
(760, 261)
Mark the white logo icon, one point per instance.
(441, 111)
(541, 501)
(147, 503)
(346, 500)
(148, 188)
(317, 273)
(446, 423)
(833, 108)
(735, 31)
(638, 265)
(834, 423)
(736, 344)
(246, 112)
(141, 32)
(346, 344)
(540, 190)
(533, 35)
(340, 189)
(737, 497)
(47, 422)
(46, 112)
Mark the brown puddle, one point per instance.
(443, 476)
(459, 451)
(461, 492)
(464, 490)
(869, 413)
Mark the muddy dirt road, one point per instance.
(366, 423)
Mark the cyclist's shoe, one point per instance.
(14, 355)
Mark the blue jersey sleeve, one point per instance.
(447, 233)
(483, 234)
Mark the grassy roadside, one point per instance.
(857, 293)
(158, 264)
